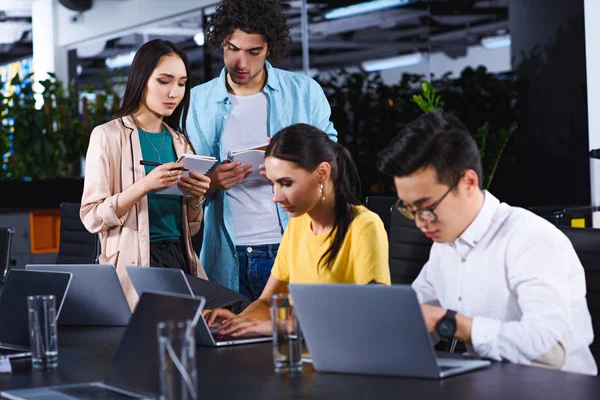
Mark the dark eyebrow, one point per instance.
(285, 178)
(258, 48)
(420, 202)
(171, 76)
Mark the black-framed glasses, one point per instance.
(425, 214)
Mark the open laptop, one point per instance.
(374, 330)
(14, 322)
(134, 372)
(170, 280)
(95, 296)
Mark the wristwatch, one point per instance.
(446, 327)
(195, 206)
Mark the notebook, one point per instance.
(252, 155)
(201, 164)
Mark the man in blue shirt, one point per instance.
(247, 103)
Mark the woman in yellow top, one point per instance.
(330, 238)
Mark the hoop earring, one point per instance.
(322, 193)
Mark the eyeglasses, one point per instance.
(424, 214)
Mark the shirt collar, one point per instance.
(221, 94)
(475, 231)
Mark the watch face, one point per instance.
(446, 329)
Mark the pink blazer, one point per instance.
(112, 165)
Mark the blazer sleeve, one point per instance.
(99, 200)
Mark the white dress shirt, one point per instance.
(520, 280)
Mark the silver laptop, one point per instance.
(14, 323)
(372, 329)
(95, 296)
(134, 370)
(170, 280)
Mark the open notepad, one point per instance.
(200, 164)
(252, 155)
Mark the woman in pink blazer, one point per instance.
(137, 225)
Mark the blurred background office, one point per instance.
(514, 71)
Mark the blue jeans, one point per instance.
(256, 263)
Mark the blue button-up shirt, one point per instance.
(291, 98)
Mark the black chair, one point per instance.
(382, 206)
(77, 245)
(6, 234)
(409, 249)
(586, 242)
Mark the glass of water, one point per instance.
(287, 338)
(177, 353)
(43, 336)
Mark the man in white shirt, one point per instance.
(499, 278)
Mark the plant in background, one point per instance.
(367, 114)
(4, 135)
(491, 144)
(429, 100)
(48, 143)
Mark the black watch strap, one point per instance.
(450, 314)
(446, 327)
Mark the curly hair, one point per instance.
(263, 17)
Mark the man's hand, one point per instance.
(227, 175)
(432, 315)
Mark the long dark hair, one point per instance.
(307, 147)
(145, 61)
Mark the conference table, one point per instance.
(246, 372)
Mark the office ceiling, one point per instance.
(449, 26)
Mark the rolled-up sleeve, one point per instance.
(98, 202)
(321, 111)
(538, 274)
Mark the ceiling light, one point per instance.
(120, 61)
(395, 62)
(495, 42)
(199, 39)
(366, 7)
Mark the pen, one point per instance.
(155, 164)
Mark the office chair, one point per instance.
(382, 206)
(586, 242)
(409, 249)
(6, 234)
(77, 245)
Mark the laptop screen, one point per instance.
(13, 301)
(135, 365)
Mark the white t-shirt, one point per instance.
(255, 216)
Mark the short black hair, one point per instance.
(437, 140)
(251, 16)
